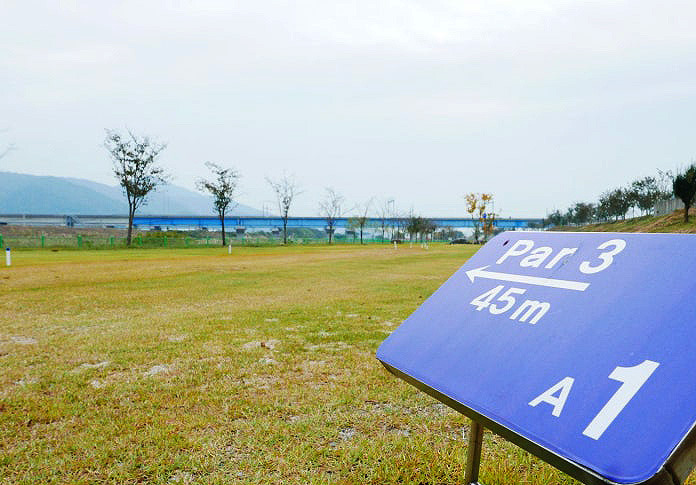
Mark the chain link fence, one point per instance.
(163, 240)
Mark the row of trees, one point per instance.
(420, 227)
(138, 173)
(641, 194)
(135, 165)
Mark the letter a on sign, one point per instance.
(557, 402)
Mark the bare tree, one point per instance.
(286, 189)
(429, 227)
(361, 220)
(400, 223)
(135, 169)
(414, 225)
(7, 148)
(223, 189)
(665, 180)
(331, 208)
(384, 215)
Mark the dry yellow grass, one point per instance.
(673, 222)
(193, 366)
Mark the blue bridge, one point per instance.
(242, 222)
(258, 222)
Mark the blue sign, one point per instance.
(577, 346)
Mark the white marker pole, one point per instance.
(229, 249)
(8, 257)
(394, 244)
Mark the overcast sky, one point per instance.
(541, 103)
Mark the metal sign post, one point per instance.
(473, 453)
(566, 344)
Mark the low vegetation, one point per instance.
(670, 223)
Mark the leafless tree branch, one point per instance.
(285, 189)
(331, 208)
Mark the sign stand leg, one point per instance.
(473, 455)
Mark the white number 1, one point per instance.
(633, 379)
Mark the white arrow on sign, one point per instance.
(530, 280)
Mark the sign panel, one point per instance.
(580, 347)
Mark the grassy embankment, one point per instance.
(670, 223)
(194, 366)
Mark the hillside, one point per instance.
(670, 223)
(33, 194)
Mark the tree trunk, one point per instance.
(361, 230)
(285, 230)
(222, 222)
(131, 214)
(686, 212)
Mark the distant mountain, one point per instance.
(33, 194)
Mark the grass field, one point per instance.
(195, 366)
